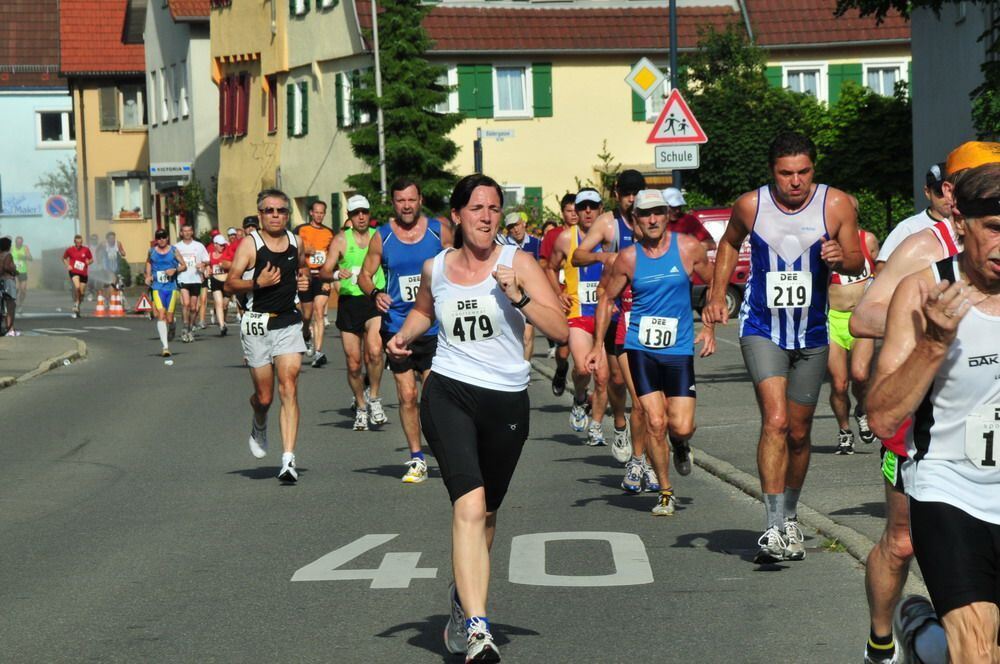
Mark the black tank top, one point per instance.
(281, 298)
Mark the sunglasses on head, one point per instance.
(587, 205)
(273, 210)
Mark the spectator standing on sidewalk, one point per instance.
(8, 284)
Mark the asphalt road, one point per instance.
(135, 526)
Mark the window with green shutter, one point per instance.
(102, 198)
(541, 81)
(840, 74)
(304, 110)
(484, 91)
(355, 84)
(336, 221)
(475, 91)
(339, 86)
(773, 75)
(290, 107)
(533, 198)
(108, 108)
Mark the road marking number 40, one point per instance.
(527, 562)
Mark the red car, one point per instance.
(714, 220)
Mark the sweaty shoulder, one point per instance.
(917, 251)
(745, 208)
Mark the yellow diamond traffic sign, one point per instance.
(644, 78)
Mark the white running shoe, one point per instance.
(795, 548)
(288, 472)
(865, 432)
(456, 639)
(633, 476)
(845, 442)
(621, 445)
(481, 647)
(578, 417)
(652, 481)
(416, 471)
(666, 505)
(361, 420)
(376, 415)
(258, 440)
(772, 547)
(595, 434)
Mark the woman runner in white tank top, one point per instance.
(474, 408)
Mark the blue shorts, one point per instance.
(653, 372)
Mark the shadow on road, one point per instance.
(637, 502)
(602, 460)
(428, 635)
(396, 471)
(263, 472)
(876, 509)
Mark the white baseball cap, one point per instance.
(588, 195)
(512, 219)
(230, 231)
(357, 202)
(649, 199)
(218, 239)
(673, 197)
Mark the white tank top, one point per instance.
(954, 443)
(480, 334)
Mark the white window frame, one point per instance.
(50, 145)
(823, 76)
(152, 91)
(116, 206)
(900, 65)
(183, 87)
(347, 112)
(300, 7)
(297, 110)
(163, 91)
(517, 190)
(652, 112)
(121, 107)
(326, 4)
(174, 92)
(450, 105)
(529, 97)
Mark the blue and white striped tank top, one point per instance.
(661, 321)
(786, 293)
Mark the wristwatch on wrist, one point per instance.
(375, 292)
(523, 302)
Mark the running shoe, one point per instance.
(172, 331)
(551, 354)
(456, 639)
(224, 330)
(310, 351)
(595, 434)
(865, 432)
(165, 352)
(258, 440)
(559, 382)
(683, 457)
(416, 471)
(621, 445)
(202, 326)
(648, 474)
(912, 614)
(376, 415)
(319, 361)
(578, 417)
(288, 472)
(895, 658)
(12, 333)
(76, 311)
(633, 476)
(361, 420)
(772, 547)
(354, 401)
(795, 543)
(845, 442)
(666, 505)
(480, 645)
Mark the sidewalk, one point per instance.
(23, 358)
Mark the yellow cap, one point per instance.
(972, 154)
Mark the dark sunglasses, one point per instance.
(272, 210)
(360, 211)
(587, 205)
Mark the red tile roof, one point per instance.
(579, 28)
(91, 33)
(186, 10)
(29, 43)
(791, 22)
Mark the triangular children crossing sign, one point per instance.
(676, 124)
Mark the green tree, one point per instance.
(985, 99)
(416, 137)
(740, 112)
(868, 146)
(61, 181)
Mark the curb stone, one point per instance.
(47, 365)
(855, 543)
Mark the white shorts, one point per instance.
(261, 351)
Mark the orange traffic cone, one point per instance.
(117, 310)
(101, 311)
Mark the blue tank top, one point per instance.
(588, 280)
(786, 292)
(624, 237)
(401, 263)
(159, 264)
(661, 321)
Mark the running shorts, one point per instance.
(610, 347)
(419, 360)
(193, 289)
(959, 555)
(261, 350)
(840, 332)
(476, 435)
(81, 277)
(216, 285)
(354, 311)
(316, 287)
(652, 372)
(22, 276)
(165, 299)
(891, 467)
(585, 323)
(804, 368)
